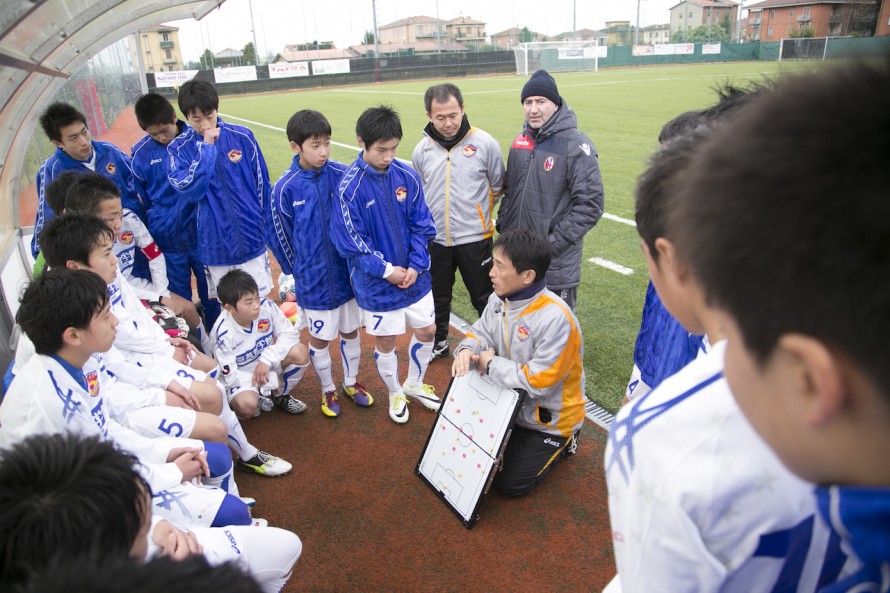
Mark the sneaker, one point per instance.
(256, 522)
(256, 414)
(357, 393)
(425, 394)
(440, 350)
(330, 404)
(398, 407)
(266, 465)
(265, 403)
(290, 404)
(248, 501)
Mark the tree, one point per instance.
(805, 31)
(702, 34)
(526, 35)
(207, 60)
(248, 54)
(368, 39)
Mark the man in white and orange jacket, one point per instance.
(527, 338)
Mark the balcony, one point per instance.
(835, 18)
(170, 61)
(166, 45)
(804, 18)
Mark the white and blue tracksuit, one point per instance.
(109, 161)
(298, 231)
(229, 182)
(383, 220)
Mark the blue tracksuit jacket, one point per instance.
(298, 231)
(383, 219)
(230, 184)
(110, 162)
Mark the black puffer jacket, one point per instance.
(553, 186)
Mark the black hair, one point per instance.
(729, 99)
(682, 124)
(656, 187)
(58, 299)
(235, 285)
(57, 191)
(306, 124)
(378, 123)
(197, 95)
(193, 574)
(65, 496)
(57, 116)
(441, 93)
(793, 235)
(154, 110)
(526, 250)
(88, 191)
(73, 237)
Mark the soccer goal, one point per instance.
(808, 48)
(557, 56)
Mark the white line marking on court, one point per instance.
(376, 92)
(610, 265)
(619, 219)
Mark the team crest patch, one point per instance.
(401, 193)
(469, 150)
(523, 332)
(111, 168)
(262, 325)
(93, 383)
(126, 237)
(548, 163)
(234, 155)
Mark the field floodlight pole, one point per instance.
(256, 50)
(739, 20)
(376, 33)
(637, 29)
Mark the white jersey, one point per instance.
(134, 235)
(50, 396)
(137, 333)
(697, 500)
(238, 349)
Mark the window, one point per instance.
(790, 12)
(769, 32)
(806, 11)
(690, 14)
(772, 13)
(165, 37)
(169, 54)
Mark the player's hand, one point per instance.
(484, 358)
(397, 276)
(261, 374)
(174, 542)
(211, 135)
(185, 352)
(464, 360)
(185, 395)
(178, 400)
(192, 462)
(410, 278)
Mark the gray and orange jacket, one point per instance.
(539, 348)
(461, 185)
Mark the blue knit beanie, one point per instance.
(541, 84)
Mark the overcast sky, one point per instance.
(282, 22)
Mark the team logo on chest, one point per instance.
(234, 155)
(93, 383)
(469, 150)
(111, 168)
(548, 163)
(523, 332)
(262, 326)
(126, 237)
(401, 193)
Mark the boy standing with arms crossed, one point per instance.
(299, 234)
(383, 231)
(220, 166)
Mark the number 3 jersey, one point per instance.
(698, 502)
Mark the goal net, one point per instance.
(557, 56)
(812, 48)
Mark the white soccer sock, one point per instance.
(350, 354)
(321, 362)
(237, 439)
(419, 355)
(388, 368)
(290, 376)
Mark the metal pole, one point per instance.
(574, 19)
(376, 34)
(739, 21)
(637, 30)
(256, 50)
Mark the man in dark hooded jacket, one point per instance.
(553, 184)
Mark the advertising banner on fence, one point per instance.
(710, 48)
(234, 74)
(173, 79)
(289, 69)
(330, 67)
(670, 49)
(571, 53)
(600, 51)
(643, 50)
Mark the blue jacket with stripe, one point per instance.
(383, 219)
(230, 184)
(298, 231)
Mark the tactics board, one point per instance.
(469, 434)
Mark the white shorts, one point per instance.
(187, 505)
(244, 382)
(327, 325)
(636, 387)
(161, 421)
(257, 267)
(393, 323)
(168, 366)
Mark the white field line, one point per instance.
(610, 265)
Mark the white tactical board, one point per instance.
(469, 434)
